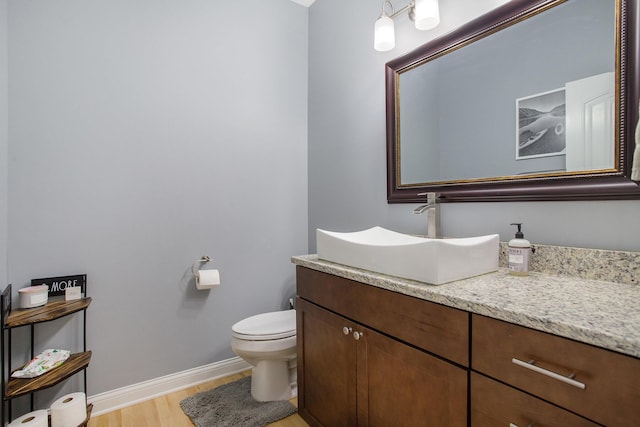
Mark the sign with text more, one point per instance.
(59, 285)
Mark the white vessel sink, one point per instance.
(433, 261)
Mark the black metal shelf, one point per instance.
(15, 387)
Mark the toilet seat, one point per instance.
(266, 326)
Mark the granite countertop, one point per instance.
(604, 314)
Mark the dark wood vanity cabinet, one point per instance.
(354, 369)
(373, 357)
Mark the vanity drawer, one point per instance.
(432, 327)
(599, 384)
(495, 404)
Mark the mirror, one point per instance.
(536, 100)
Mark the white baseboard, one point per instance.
(136, 393)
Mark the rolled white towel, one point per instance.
(635, 167)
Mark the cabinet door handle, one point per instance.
(568, 380)
(358, 335)
(516, 425)
(346, 330)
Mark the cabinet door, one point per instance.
(326, 367)
(399, 385)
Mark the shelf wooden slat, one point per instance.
(19, 386)
(86, 421)
(50, 311)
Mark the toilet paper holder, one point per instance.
(203, 260)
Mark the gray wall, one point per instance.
(143, 135)
(3, 142)
(347, 160)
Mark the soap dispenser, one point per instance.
(519, 252)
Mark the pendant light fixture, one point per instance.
(424, 13)
(384, 35)
(427, 14)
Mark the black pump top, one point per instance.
(519, 233)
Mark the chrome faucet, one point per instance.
(433, 214)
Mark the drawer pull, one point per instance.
(568, 380)
(516, 425)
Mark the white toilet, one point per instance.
(268, 342)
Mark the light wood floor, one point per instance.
(165, 411)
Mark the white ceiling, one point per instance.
(304, 2)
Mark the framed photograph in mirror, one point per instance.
(541, 124)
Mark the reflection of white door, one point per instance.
(590, 123)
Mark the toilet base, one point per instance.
(270, 380)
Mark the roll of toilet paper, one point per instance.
(32, 419)
(207, 279)
(69, 410)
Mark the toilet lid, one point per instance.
(266, 326)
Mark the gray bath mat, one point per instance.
(231, 405)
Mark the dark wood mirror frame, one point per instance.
(582, 186)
